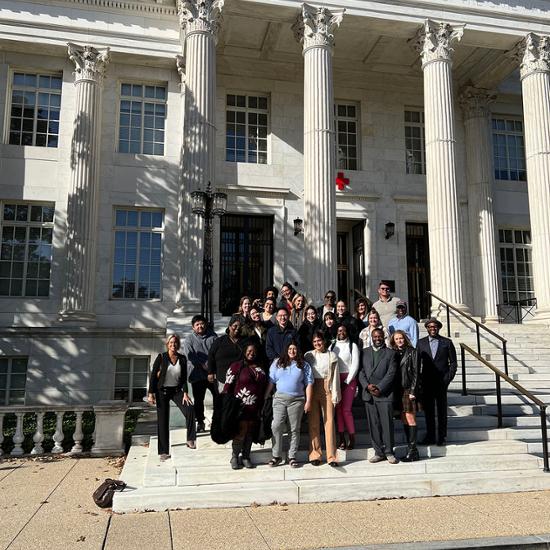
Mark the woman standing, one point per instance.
(310, 325)
(297, 315)
(326, 394)
(268, 314)
(244, 309)
(246, 380)
(329, 328)
(406, 392)
(168, 382)
(373, 321)
(362, 308)
(348, 366)
(291, 375)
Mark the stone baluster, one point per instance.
(479, 155)
(78, 434)
(38, 436)
(19, 436)
(1, 432)
(58, 435)
(314, 29)
(434, 43)
(82, 208)
(533, 54)
(200, 21)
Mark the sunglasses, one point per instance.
(384, 288)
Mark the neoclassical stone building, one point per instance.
(411, 138)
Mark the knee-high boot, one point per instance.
(412, 453)
(247, 446)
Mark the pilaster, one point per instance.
(434, 42)
(82, 209)
(314, 29)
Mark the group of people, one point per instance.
(281, 354)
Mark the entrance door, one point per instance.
(246, 258)
(358, 248)
(342, 264)
(418, 269)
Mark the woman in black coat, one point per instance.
(308, 328)
(168, 382)
(406, 389)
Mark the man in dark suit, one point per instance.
(377, 374)
(438, 366)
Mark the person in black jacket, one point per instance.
(308, 328)
(279, 335)
(407, 383)
(438, 368)
(225, 351)
(168, 382)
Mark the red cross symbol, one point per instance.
(341, 181)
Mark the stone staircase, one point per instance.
(479, 457)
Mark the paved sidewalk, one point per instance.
(47, 504)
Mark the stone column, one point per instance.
(314, 29)
(82, 208)
(534, 55)
(434, 43)
(200, 20)
(479, 155)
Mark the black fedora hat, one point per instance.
(433, 320)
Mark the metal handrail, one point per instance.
(498, 375)
(478, 325)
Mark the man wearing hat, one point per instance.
(403, 321)
(438, 367)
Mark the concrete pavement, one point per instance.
(47, 504)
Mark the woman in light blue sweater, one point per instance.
(292, 376)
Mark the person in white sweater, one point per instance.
(348, 365)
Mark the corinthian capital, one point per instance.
(434, 41)
(475, 102)
(314, 26)
(200, 15)
(90, 63)
(533, 54)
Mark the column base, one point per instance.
(77, 318)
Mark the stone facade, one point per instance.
(201, 51)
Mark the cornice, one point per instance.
(149, 7)
(255, 191)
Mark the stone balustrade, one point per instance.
(107, 435)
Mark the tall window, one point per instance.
(35, 107)
(415, 143)
(13, 378)
(142, 117)
(347, 135)
(137, 255)
(246, 129)
(509, 150)
(131, 378)
(516, 264)
(26, 253)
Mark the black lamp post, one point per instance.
(207, 205)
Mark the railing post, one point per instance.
(505, 352)
(499, 402)
(478, 340)
(1, 432)
(18, 437)
(544, 431)
(448, 322)
(463, 358)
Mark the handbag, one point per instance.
(103, 495)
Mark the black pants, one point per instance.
(435, 396)
(380, 421)
(163, 397)
(199, 391)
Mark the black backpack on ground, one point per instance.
(103, 495)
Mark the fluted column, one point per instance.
(82, 208)
(534, 55)
(479, 154)
(200, 20)
(314, 29)
(434, 43)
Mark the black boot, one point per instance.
(235, 462)
(412, 454)
(247, 446)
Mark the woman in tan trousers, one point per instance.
(326, 394)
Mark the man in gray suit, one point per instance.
(379, 367)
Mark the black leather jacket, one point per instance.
(409, 370)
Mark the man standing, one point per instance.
(279, 335)
(329, 305)
(438, 368)
(377, 374)
(403, 321)
(196, 347)
(385, 305)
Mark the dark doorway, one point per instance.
(418, 269)
(358, 249)
(342, 266)
(246, 258)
